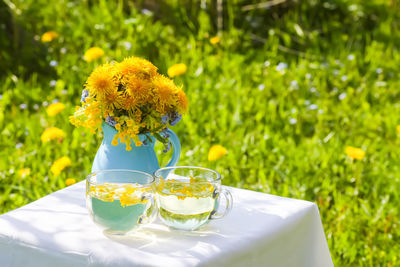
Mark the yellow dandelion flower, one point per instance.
(183, 102)
(54, 109)
(354, 152)
(49, 36)
(24, 172)
(398, 129)
(165, 90)
(128, 103)
(60, 164)
(107, 112)
(139, 89)
(216, 152)
(93, 53)
(136, 66)
(112, 99)
(51, 134)
(215, 40)
(177, 70)
(70, 181)
(102, 80)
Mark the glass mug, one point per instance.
(120, 200)
(188, 197)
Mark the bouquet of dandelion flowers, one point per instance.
(132, 97)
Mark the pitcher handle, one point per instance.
(176, 146)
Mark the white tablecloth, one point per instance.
(261, 230)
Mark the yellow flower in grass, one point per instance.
(216, 152)
(60, 164)
(177, 70)
(398, 129)
(49, 36)
(165, 90)
(24, 172)
(93, 53)
(102, 80)
(215, 40)
(355, 153)
(140, 67)
(54, 109)
(52, 134)
(70, 181)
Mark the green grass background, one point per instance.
(285, 91)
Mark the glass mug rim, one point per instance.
(90, 177)
(157, 175)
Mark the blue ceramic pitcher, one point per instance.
(142, 158)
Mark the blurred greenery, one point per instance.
(286, 90)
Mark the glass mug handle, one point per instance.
(150, 212)
(229, 202)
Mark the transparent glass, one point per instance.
(120, 200)
(188, 197)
